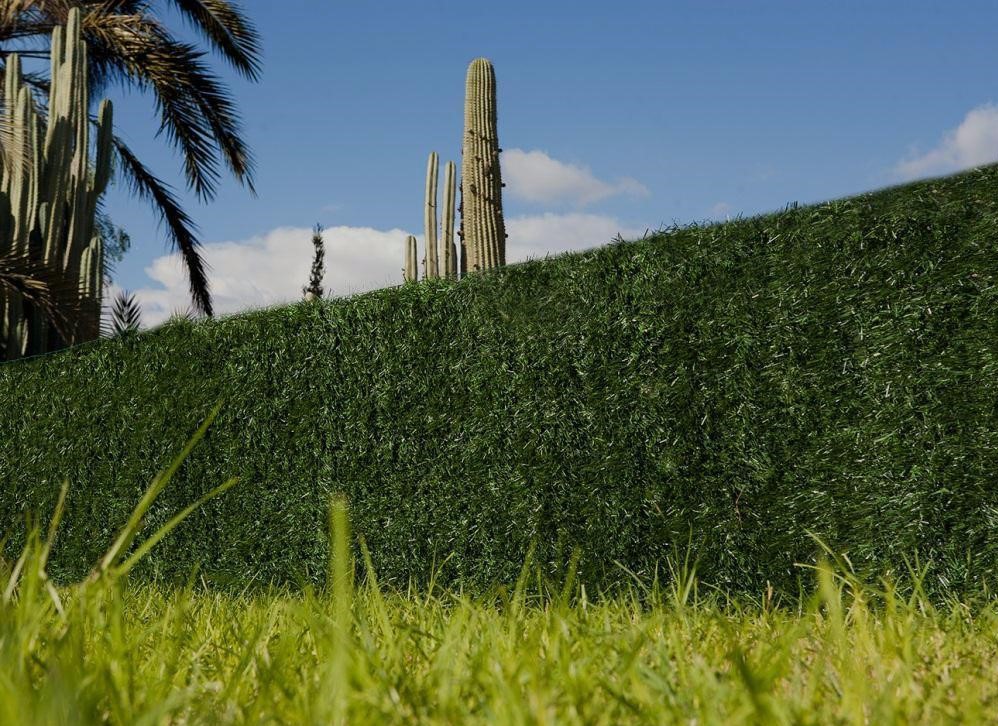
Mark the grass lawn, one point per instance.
(824, 370)
(109, 651)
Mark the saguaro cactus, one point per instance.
(441, 253)
(430, 217)
(411, 270)
(483, 233)
(49, 195)
(448, 262)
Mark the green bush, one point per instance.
(725, 389)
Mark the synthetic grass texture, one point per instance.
(723, 390)
(850, 653)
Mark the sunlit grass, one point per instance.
(107, 650)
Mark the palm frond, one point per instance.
(125, 315)
(52, 291)
(228, 29)
(11, 12)
(11, 152)
(197, 115)
(180, 226)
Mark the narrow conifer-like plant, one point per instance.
(314, 291)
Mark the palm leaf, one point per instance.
(11, 152)
(181, 227)
(53, 292)
(226, 28)
(126, 315)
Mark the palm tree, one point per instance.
(49, 290)
(128, 43)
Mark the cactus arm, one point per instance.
(430, 217)
(449, 263)
(411, 272)
(105, 145)
(21, 174)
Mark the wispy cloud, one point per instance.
(721, 209)
(972, 143)
(271, 269)
(551, 234)
(533, 176)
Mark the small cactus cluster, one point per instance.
(441, 255)
(48, 196)
(482, 232)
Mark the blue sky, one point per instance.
(614, 117)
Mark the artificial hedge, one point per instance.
(718, 390)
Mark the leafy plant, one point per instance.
(120, 558)
(125, 315)
(846, 651)
(739, 384)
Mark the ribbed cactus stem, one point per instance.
(49, 192)
(79, 226)
(430, 216)
(23, 188)
(411, 271)
(448, 264)
(483, 232)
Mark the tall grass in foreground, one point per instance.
(109, 652)
(106, 651)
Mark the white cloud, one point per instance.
(272, 268)
(721, 209)
(533, 176)
(539, 235)
(972, 143)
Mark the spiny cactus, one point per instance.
(448, 263)
(440, 259)
(430, 217)
(49, 195)
(411, 270)
(483, 232)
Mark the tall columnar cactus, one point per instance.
(483, 232)
(411, 270)
(448, 263)
(49, 195)
(430, 217)
(441, 253)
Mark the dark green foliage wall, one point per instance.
(831, 369)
